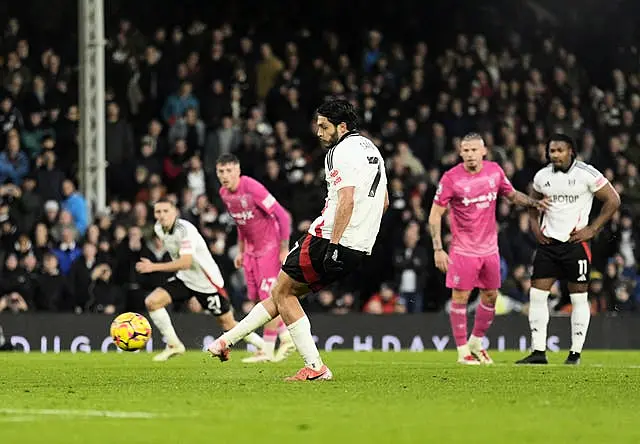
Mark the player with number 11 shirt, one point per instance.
(337, 240)
(264, 227)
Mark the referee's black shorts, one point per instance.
(563, 261)
(305, 262)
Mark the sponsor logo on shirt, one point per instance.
(482, 201)
(242, 217)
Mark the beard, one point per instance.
(331, 143)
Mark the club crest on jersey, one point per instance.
(492, 183)
(243, 202)
(572, 182)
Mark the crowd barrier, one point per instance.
(90, 333)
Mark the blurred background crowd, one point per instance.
(194, 80)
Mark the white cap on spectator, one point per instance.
(51, 205)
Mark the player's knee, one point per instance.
(154, 301)
(489, 297)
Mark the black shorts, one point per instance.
(217, 303)
(305, 262)
(563, 261)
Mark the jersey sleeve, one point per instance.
(595, 179)
(444, 193)
(261, 196)
(536, 183)
(506, 187)
(187, 240)
(343, 169)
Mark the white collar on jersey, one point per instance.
(553, 168)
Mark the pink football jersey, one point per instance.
(472, 199)
(252, 206)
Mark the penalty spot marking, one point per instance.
(30, 414)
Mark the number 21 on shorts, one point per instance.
(214, 305)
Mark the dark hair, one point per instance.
(227, 158)
(559, 137)
(338, 111)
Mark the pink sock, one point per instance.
(458, 319)
(282, 327)
(484, 318)
(270, 335)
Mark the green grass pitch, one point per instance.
(375, 398)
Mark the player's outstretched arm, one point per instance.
(534, 220)
(539, 203)
(182, 263)
(611, 202)
(435, 229)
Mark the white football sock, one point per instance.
(255, 340)
(301, 334)
(580, 316)
(257, 317)
(538, 318)
(285, 336)
(162, 320)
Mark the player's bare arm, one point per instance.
(534, 220)
(344, 211)
(386, 201)
(611, 202)
(518, 198)
(182, 263)
(237, 262)
(435, 229)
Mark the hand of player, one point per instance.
(237, 262)
(144, 266)
(543, 204)
(587, 233)
(442, 260)
(332, 262)
(541, 238)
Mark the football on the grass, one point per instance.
(130, 331)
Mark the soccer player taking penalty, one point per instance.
(336, 242)
(470, 191)
(563, 234)
(196, 275)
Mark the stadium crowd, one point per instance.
(181, 95)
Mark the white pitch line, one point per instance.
(84, 413)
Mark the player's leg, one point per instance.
(545, 273)
(156, 302)
(259, 315)
(461, 279)
(268, 268)
(489, 281)
(286, 294)
(227, 321)
(578, 266)
(251, 275)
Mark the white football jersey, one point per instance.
(204, 275)
(354, 162)
(571, 197)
